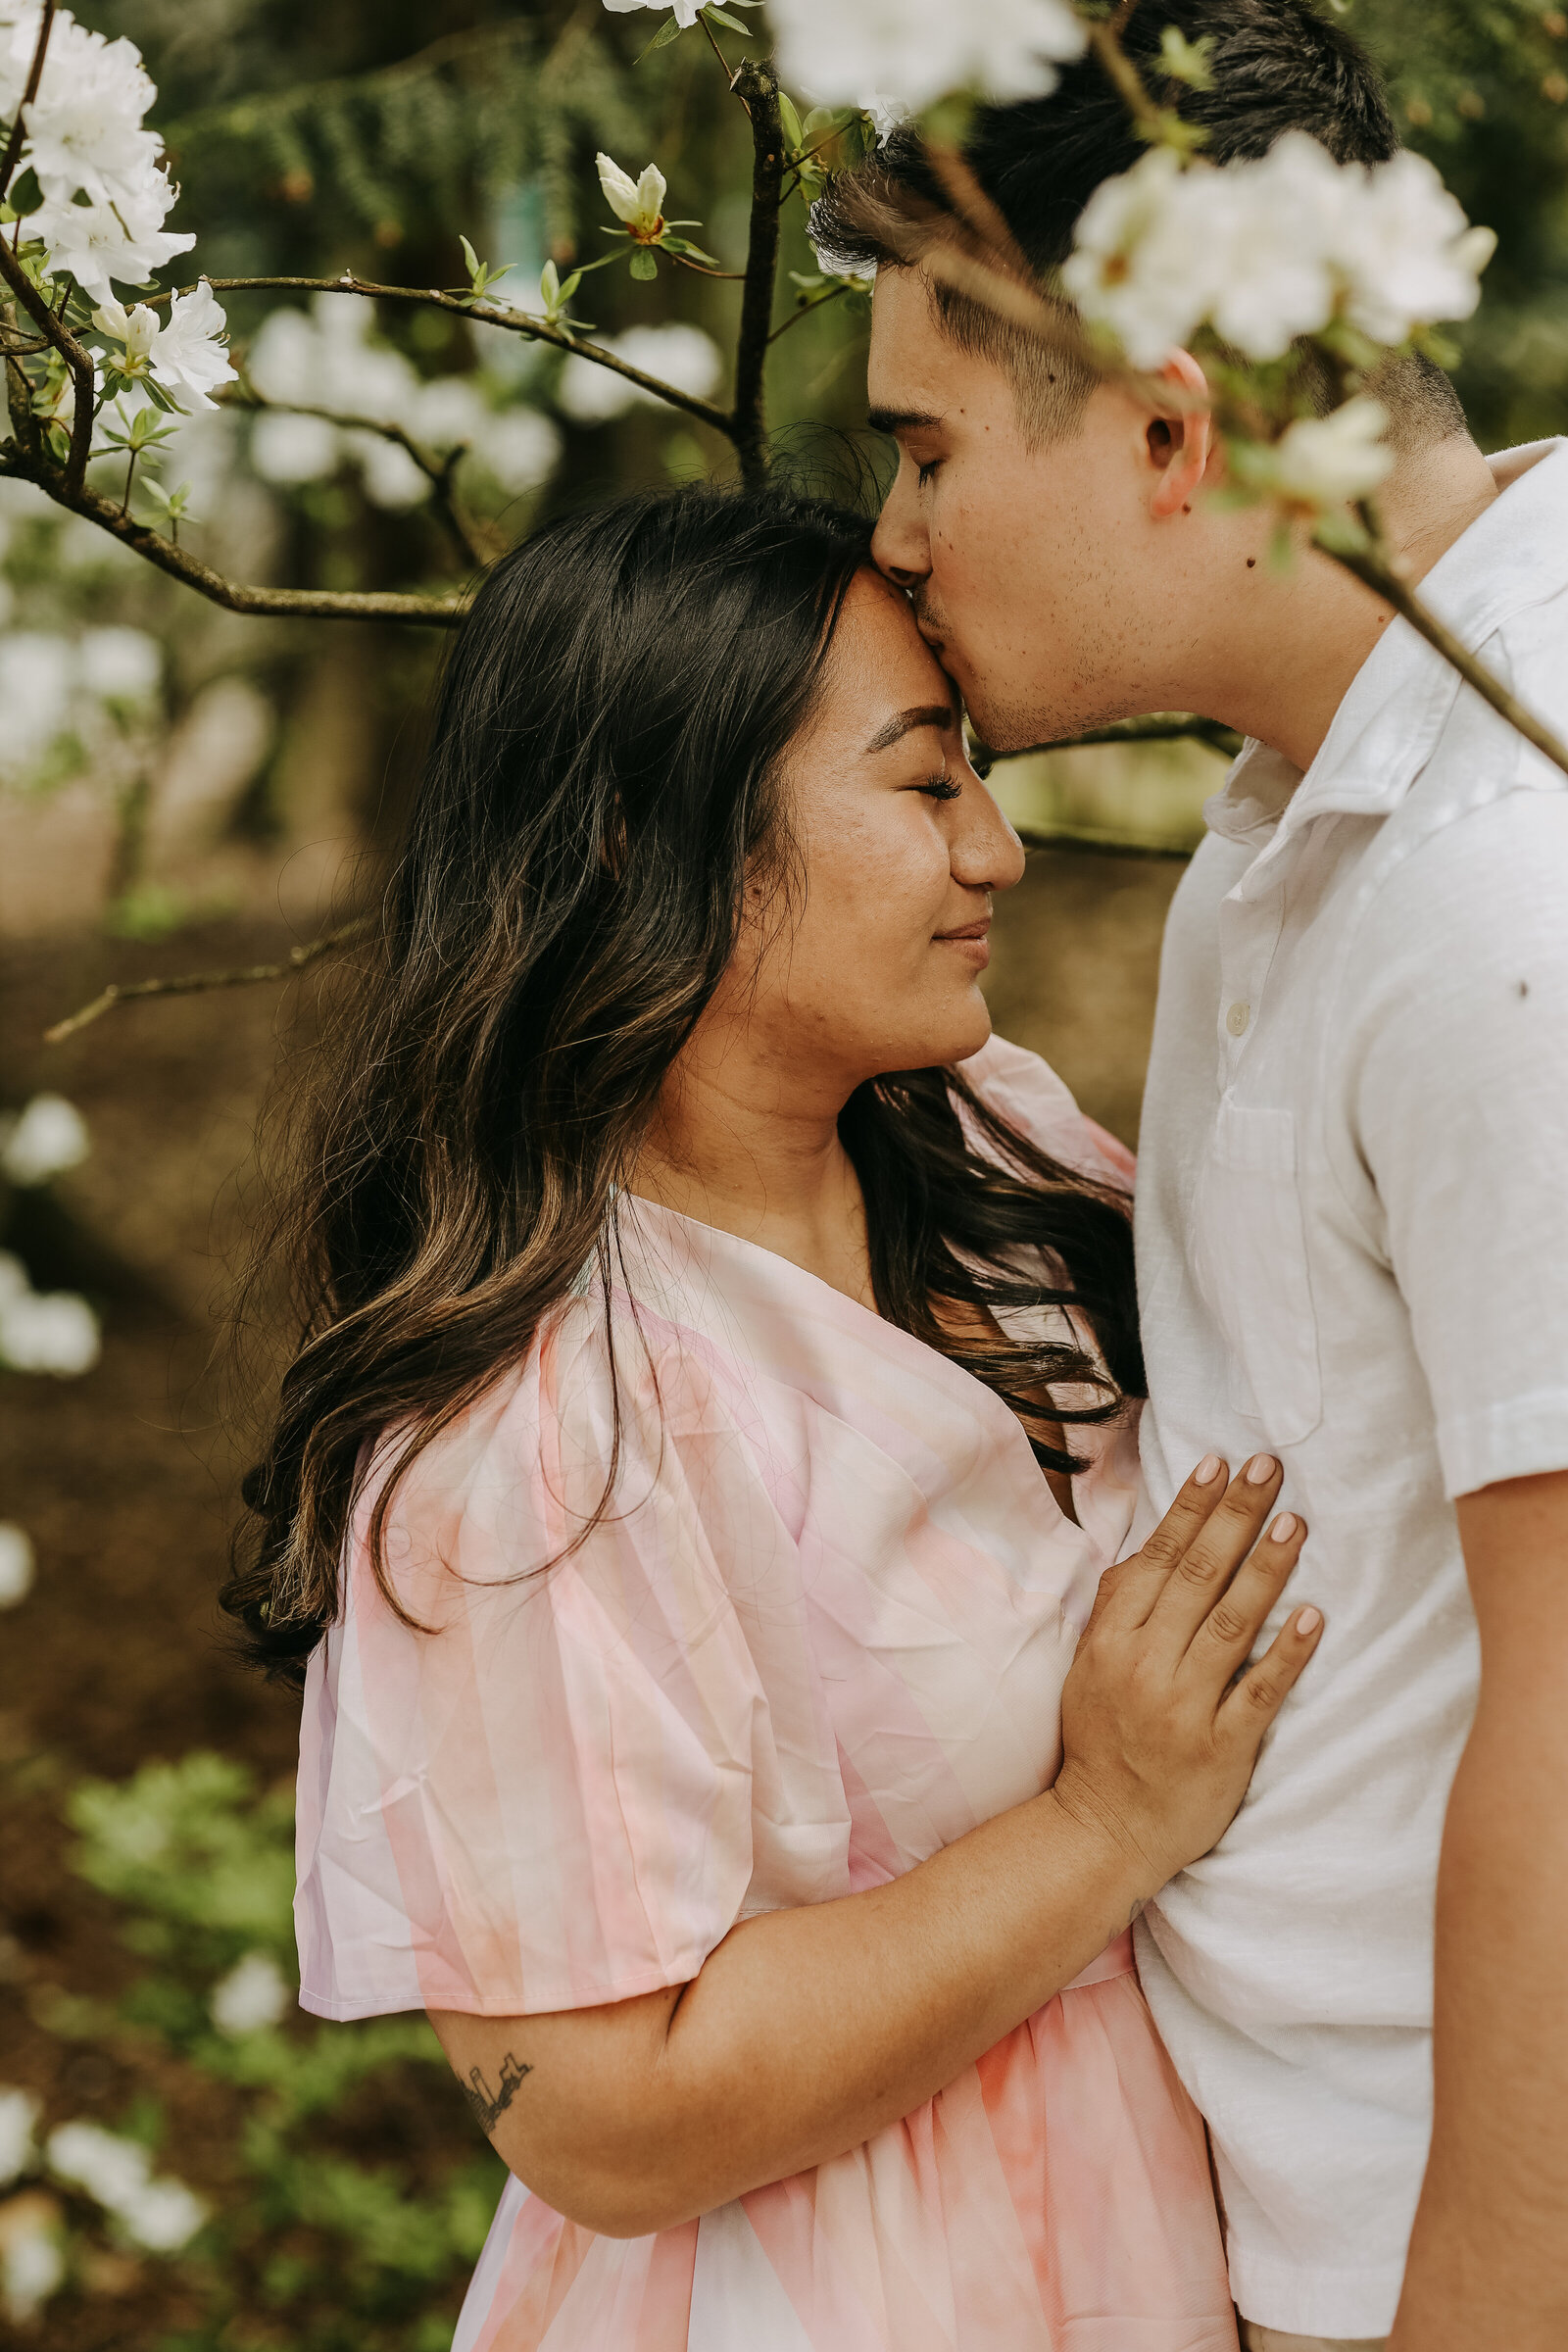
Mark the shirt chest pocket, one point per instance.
(1250, 1258)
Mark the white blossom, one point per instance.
(518, 449)
(119, 665)
(34, 692)
(254, 1994)
(685, 10)
(1323, 462)
(1269, 250)
(50, 1135)
(390, 476)
(84, 127)
(910, 53)
(49, 1331)
(161, 2214)
(14, 1283)
(94, 243)
(111, 2170)
(19, 2113)
(186, 356)
(32, 2262)
(681, 355)
(1407, 252)
(640, 201)
(287, 450)
(16, 1582)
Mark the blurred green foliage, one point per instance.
(339, 2252)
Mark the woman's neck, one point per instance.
(755, 1150)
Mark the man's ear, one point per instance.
(1181, 438)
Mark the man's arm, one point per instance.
(1488, 2259)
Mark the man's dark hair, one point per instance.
(1274, 65)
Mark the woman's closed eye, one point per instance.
(924, 471)
(939, 788)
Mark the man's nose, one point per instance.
(900, 548)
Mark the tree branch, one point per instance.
(19, 132)
(474, 543)
(84, 383)
(1105, 39)
(517, 322)
(198, 983)
(321, 603)
(757, 85)
(807, 307)
(1379, 569)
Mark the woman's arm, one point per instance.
(807, 2031)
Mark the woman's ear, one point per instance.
(1181, 438)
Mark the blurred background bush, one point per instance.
(185, 2162)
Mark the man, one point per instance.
(1352, 1200)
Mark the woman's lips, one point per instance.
(972, 942)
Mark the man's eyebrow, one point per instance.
(922, 715)
(901, 421)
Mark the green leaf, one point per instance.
(791, 122)
(643, 264)
(571, 284)
(1187, 61)
(671, 30)
(470, 257)
(684, 245)
(721, 15)
(550, 286)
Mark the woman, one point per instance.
(714, 1388)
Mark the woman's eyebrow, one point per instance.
(920, 715)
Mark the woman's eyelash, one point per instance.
(923, 473)
(941, 788)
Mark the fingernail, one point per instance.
(1307, 1621)
(1261, 1469)
(1283, 1528)
(1208, 1469)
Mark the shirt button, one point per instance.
(1236, 1019)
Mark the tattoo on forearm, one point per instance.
(488, 2105)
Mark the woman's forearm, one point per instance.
(806, 2031)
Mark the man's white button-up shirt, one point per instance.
(1352, 1242)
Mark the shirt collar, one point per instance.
(1513, 556)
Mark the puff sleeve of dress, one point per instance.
(544, 1800)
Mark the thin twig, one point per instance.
(318, 604)
(1378, 569)
(1104, 41)
(193, 984)
(489, 314)
(756, 84)
(807, 308)
(19, 130)
(76, 359)
(472, 541)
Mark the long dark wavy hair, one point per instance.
(600, 788)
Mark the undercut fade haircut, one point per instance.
(1274, 65)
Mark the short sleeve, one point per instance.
(538, 1796)
(1459, 992)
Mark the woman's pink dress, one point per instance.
(821, 1633)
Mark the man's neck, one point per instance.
(1288, 656)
